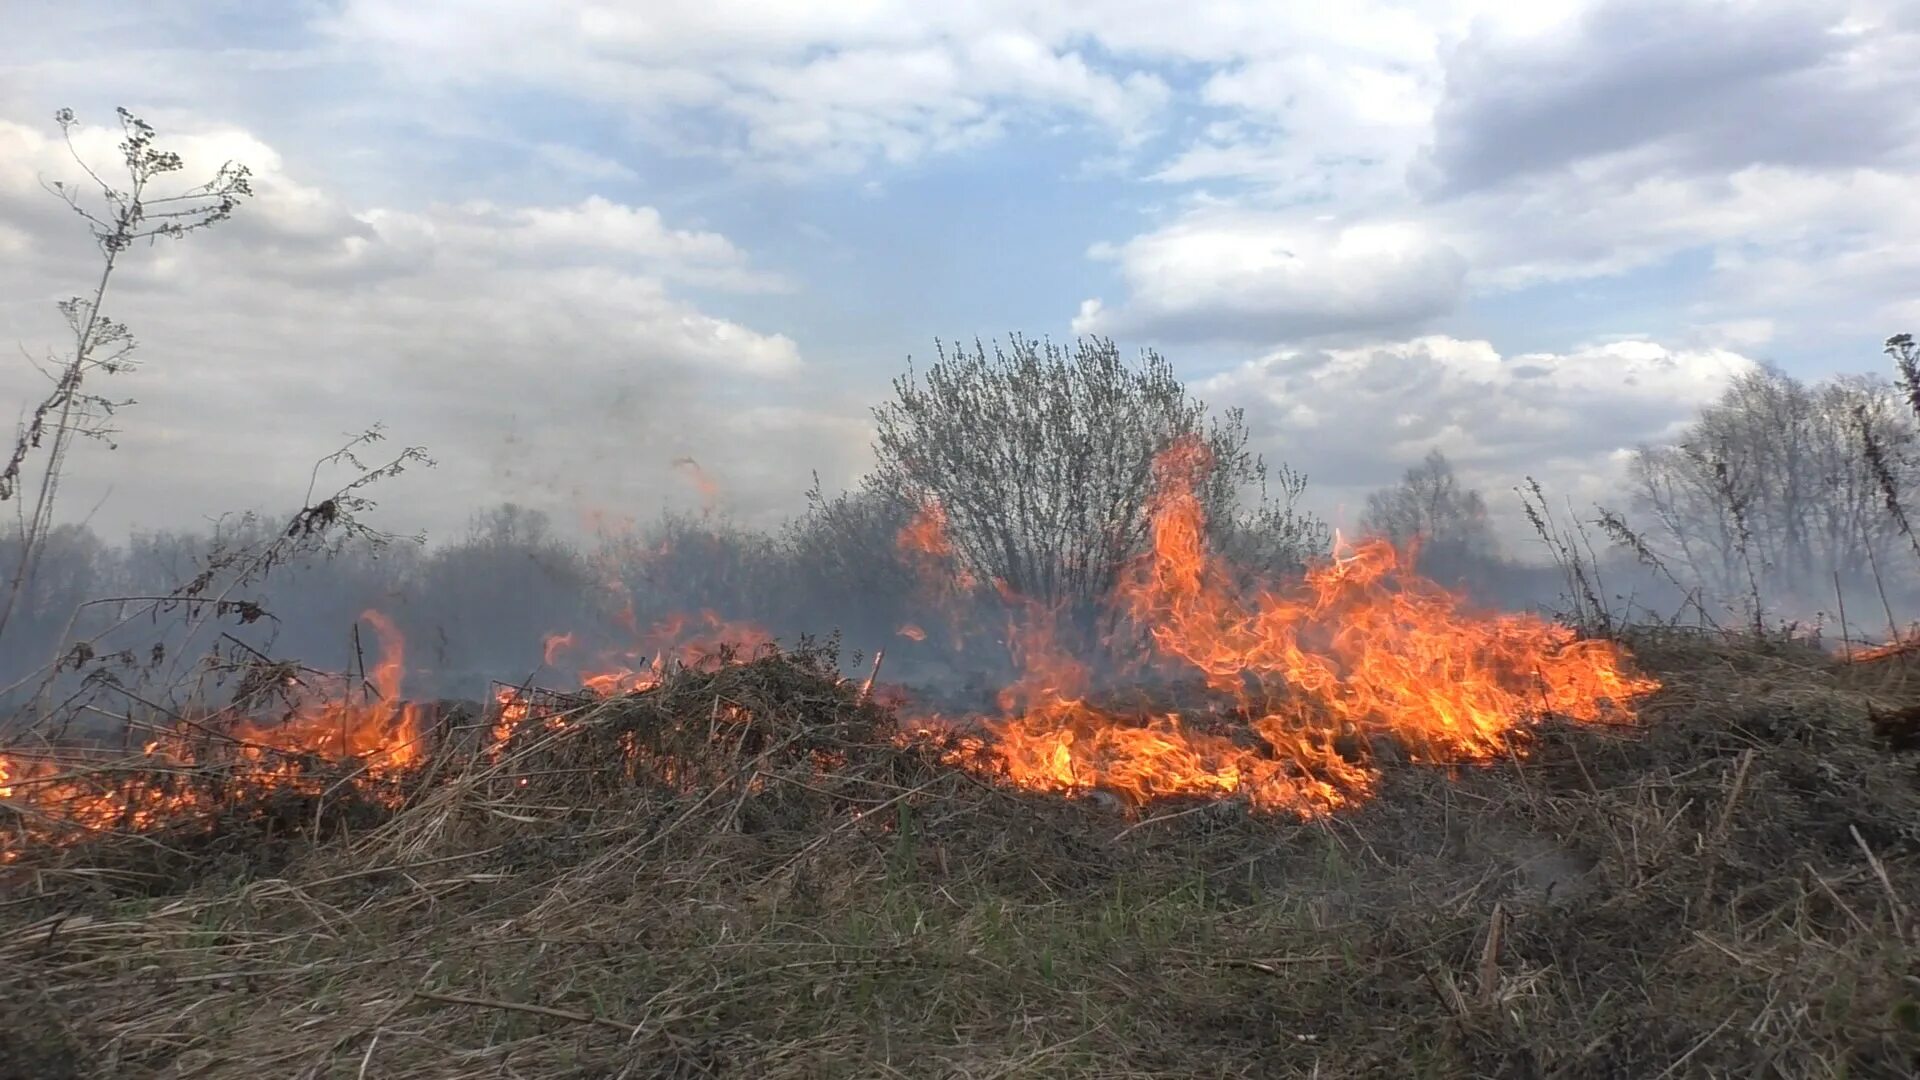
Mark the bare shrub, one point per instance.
(1041, 456)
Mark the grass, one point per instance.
(1729, 889)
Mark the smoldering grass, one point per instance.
(778, 887)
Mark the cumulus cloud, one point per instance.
(1772, 142)
(493, 334)
(1775, 138)
(801, 87)
(1712, 86)
(1231, 276)
(1352, 419)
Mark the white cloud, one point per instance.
(1353, 418)
(604, 228)
(1712, 86)
(583, 164)
(1787, 152)
(800, 87)
(1736, 333)
(1594, 140)
(464, 327)
(1234, 276)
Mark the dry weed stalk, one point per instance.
(101, 346)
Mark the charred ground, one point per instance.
(1722, 889)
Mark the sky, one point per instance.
(564, 244)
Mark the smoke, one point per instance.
(518, 598)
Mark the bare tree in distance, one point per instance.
(118, 217)
(1042, 457)
(1782, 488)
(1431, 507)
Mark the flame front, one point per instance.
(689, 642)
(1305, 679)
(926, 542)
(367, 728)
(1305, 683)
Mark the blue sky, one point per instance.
(563, 244)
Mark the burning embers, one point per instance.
(1300, 685)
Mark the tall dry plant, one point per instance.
(191, 613)
(1574, 556)
(119, 215)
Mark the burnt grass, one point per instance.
(740, 874)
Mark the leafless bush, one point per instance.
(683, 563)
(1041, 457)
(845, 555)
(179, 629)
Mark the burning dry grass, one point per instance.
(742, 872)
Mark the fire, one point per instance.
(383, 733)
(677, 639)
(1302, 686)
(1901, 645)
(925, 539)
(703, 482)
(944, 578)
(1306, 678)
(367, 727)
(511, 709)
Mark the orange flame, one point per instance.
(1305, 680)
(1308, 676)
(384, 734)
(925, 538)
(944, 578)
(668, 642)
(58, 792)
(555, 645)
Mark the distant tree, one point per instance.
(847, 566)
(1771, 491)
(73, 565)
(1042, 458)
(1905, 354)
(1430, 505)
(683, 564)
(487, 602)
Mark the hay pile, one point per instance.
(743, 873)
